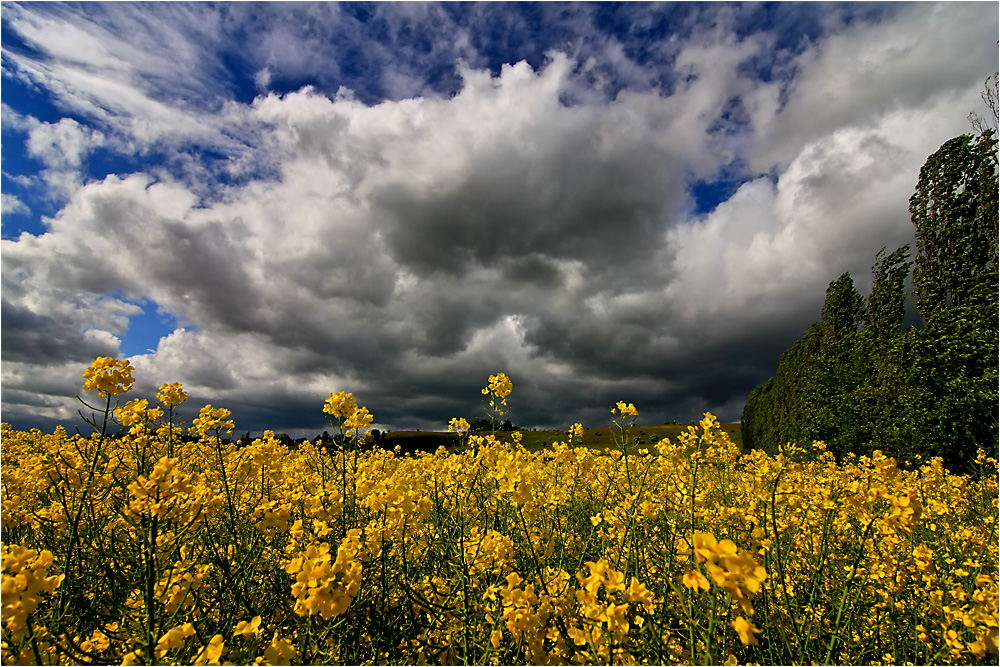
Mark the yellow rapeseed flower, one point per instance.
(746, 630)
(340, 404)
(358, 421)
(499, 385)
(171, 394)
(173, 639)
(280, 652)
(458, 424)
(211, 419)
(132, 412)
(132, 657)
(212, 653)
(109, 376)
(626, 409)
(248, 629)
(695, 580)
(25, 577)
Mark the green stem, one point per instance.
(847, 587)
(230, 506)
(151, 578)
(74, 537)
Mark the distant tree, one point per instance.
(823, 386)
(843, 312)
(991, 96)
(954, 210)
(480, 425)
(859, 381)
(881, 405)
(886, 305)
(785, 408)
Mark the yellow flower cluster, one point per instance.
(108, 376)
(178, 589)
(248, 629)
(174, 638)
(324, 586)
(340, 404)
(25, 578)
(358, 423)
(458, 424)
(203, 550)
(625, 409)
(211, 653)
(137, 412)
(279, 652)
(729, 568)
(213, 420)
(488, 553)
(171, 394)
(499, 385)
(166, 493)
(353, 420)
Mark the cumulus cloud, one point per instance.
(407, 239)
(843, 195)
(935, 54)
(61, 147)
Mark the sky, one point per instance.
(272, 202)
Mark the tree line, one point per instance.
(860, 382)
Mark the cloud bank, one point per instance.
(477, 200)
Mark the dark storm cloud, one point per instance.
(28, 336)
(608, 215)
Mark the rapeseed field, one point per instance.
(148, 543)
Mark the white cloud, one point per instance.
(262, 79)
(12, 205)
(932, 54)
(147, 82)
(867, 106)
(844, 196)
(62, 145)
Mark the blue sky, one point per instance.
(272, 201)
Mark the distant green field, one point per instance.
(604, 438)
(533, 441)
